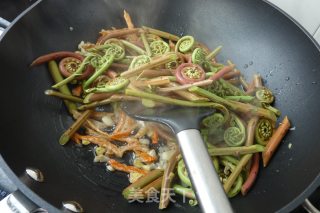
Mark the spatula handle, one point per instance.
(204, 178)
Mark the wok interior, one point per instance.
(254, 36)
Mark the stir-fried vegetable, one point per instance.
(189, 73)
(158, 68)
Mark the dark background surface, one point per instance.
(9, 9)
(15, 7)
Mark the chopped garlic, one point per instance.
(137, 163)
(100, 158)
(85, 142)
(80, 45)
(166, 155)
(100, 150)
(144, 141)
(141, 123)
(289, 145)
(110, 168)
(149, 133)
(148, 167)
(161, 165)
(152, 153)
(107, 120)
(134, 176)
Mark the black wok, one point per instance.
(257, 37)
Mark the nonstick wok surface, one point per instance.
(254, 35)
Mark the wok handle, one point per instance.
(3, 24)
(309, 207)
(18, 202)
(204, 178)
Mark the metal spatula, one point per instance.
(184, 122)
